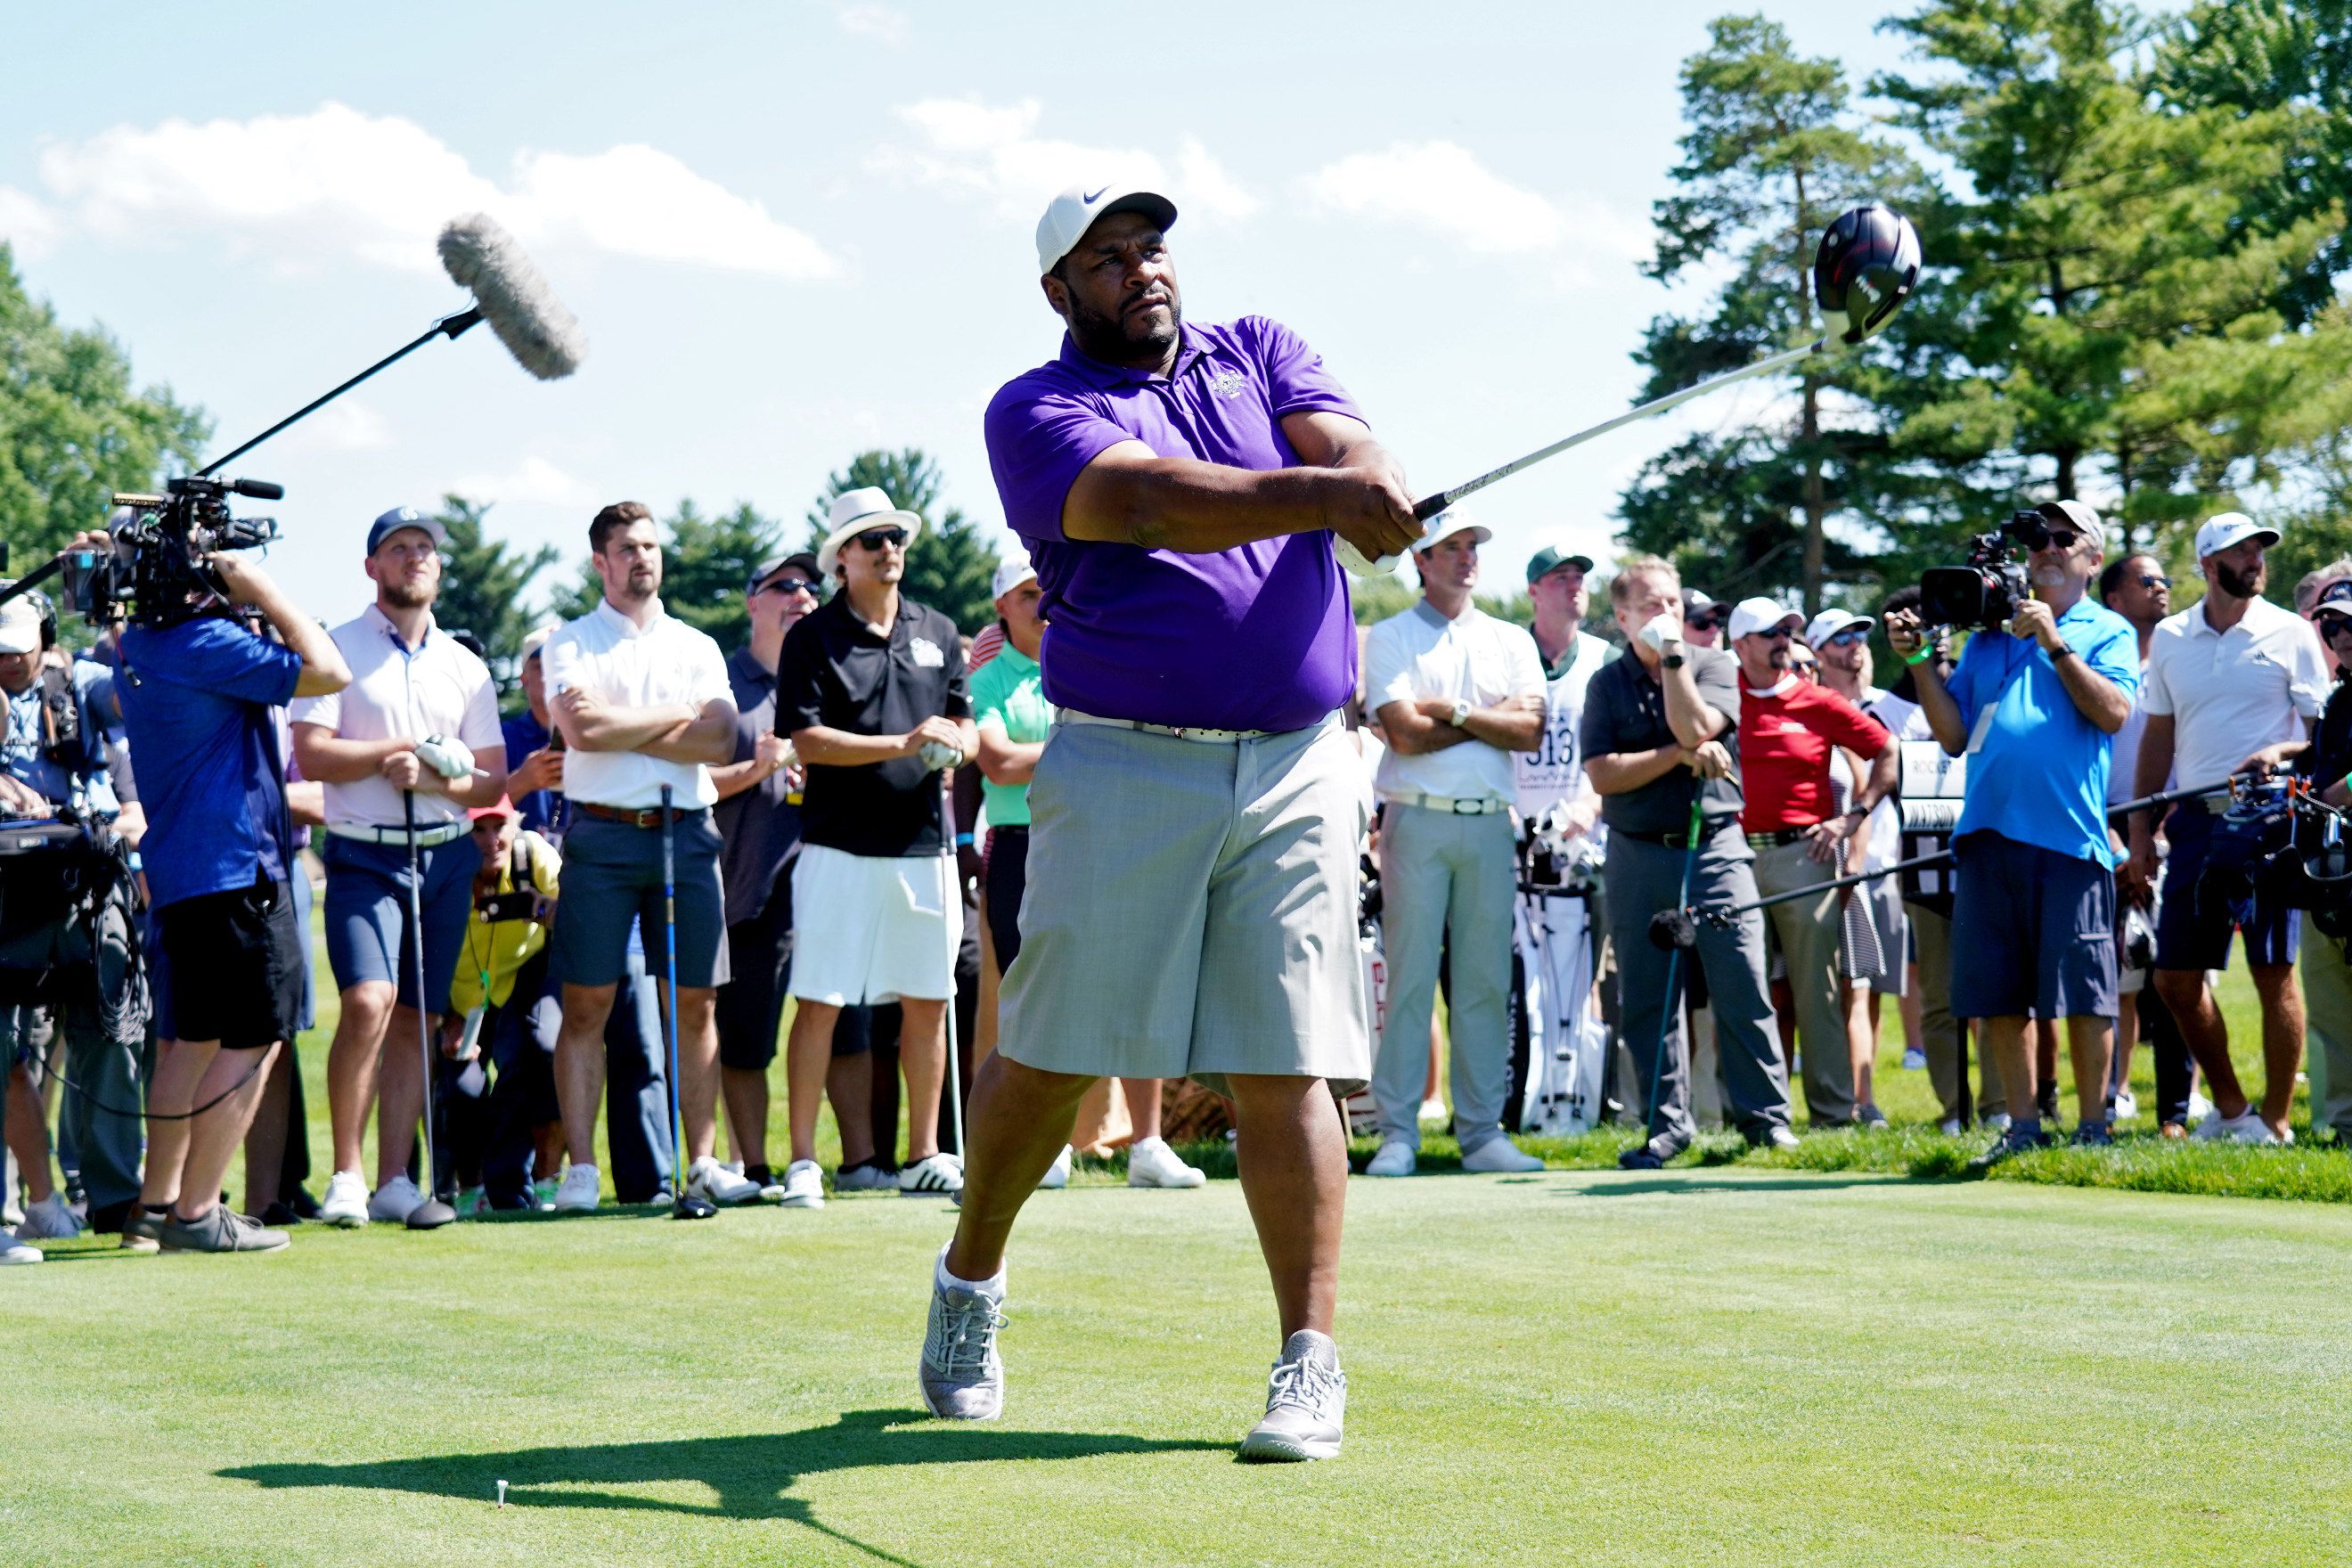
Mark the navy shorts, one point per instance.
(2033, 931)
(2194, 931)
(367, 914)
(612, 877)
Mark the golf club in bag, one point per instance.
(1866, 265)
(952, 912)
(683, 1205)
(431, 1214)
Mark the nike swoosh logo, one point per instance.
(1090, 201)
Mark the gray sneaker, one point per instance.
(218, 1230)
(962, 1376)
(1306, 1403)
(141, 1231)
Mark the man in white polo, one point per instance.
(1457, 691)
(645, 709)
(403, 752)
(2228, 678)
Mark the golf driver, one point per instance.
(431, 1214)
(953, 911)
(687, 1206)
(1670, 1011)
(1866, 265)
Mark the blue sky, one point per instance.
(795, 230)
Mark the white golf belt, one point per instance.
(426, 838)
(1459, 806)
(1208, 737)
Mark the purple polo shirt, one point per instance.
(1256, 638)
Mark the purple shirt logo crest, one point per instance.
(1228, 383)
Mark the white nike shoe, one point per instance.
(49, 1220)
(346, 1203)
(1396, 1158)
(395, 1201)
(934, 1175)
(1057, 1174)
(579, 1191)
(706, 1178)
(13, 1251)
(1306, 1403)
(1151, 1163)
(1500, 1155)
(2127, 1106)
(804, 1185)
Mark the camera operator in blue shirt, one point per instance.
(197, 693)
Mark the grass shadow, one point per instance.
(1670, 1183)
(750, 1474)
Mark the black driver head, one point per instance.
(431, 1215)
(689, 1206)
(1671, 929)
(1867, 265)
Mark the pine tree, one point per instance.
(706, 561)
(483, 584)
(948, 567)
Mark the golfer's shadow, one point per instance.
(750, 1474)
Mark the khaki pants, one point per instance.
(1941, 1034)
(2328, 1029)
(1806, 931)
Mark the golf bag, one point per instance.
(1364, 1113)
(1560, 1048)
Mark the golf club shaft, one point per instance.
(953, 912)
(1430, 506)
(416, 973)
(669, 1012)
(1670, 1011)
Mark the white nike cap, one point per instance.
(1071, 214)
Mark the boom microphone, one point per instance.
(482, 257)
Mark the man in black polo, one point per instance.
(758, 821)
(871, 690)
(1658, 733)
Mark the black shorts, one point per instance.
(237, 962)
(751, 1003)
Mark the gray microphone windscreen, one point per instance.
(483, 257)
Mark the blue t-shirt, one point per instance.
(25, 754)
(2039, 772)
(540, 811)
(197, 698)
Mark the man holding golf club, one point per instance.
(1196, 823)
(644, 705)
(870, 687)
(403, 752)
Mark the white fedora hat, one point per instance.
(855, 511)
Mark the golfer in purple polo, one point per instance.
(1192, 861)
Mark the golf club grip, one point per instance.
(1428, 507)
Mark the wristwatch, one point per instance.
(1460, 714)
(1671, 661)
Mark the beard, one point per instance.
(2241, 585)
(412, 595)
(1113, 340)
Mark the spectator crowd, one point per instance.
(598, 908)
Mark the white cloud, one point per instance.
(533, 481)
(992, 151)
(879, 23)
(299, 191)
(1442, 189)
(25, 224)
(346, 425)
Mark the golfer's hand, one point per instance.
(543, 769)
(1370, 509)
(451, 759)
(1824, 839)
(1709, 760)
(401, 770)
(2139, 871)
(969, 865)
(2034, 620)
(1573, 822)
(773, 753)
(2268, 761)
(932, 732)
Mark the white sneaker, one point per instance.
(769, 1191)
(1950, 1127)
(2199, 1108)
(932, 1175)
(1434, 1110)
(1306, 1403)
(346, 1203)
(804, 1185)
(579, 1194)
(49, 1220)
(1997, 1122)
(867, 1176)
(1151, 1163)
(706, 1178)
(15, 1251)
(1500, 1155)
(1057, 1174)
(1915, 1059)
(1396, 1158)
(2246, 1127)
(395, 1201)
(2126, 1107)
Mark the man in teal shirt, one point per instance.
(1008, 703)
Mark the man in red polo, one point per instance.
(1790, 732)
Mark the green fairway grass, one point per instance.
(1694, 1367)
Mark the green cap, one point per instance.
(1551, 558)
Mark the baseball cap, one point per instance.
(1011, 570)
(2336, 600)
(1759, 614)
(1829, 622)
(535, 639)
(801, 558)
(504, 807)
(1076, 210)
(1552, 557)
(2228, 528)
(20, 624)
(1446, 524)
(2078, 513)
(401, 517)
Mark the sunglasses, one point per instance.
(2154, 579)
(883, 539)
(2333, 621)
(1774, 634)
(1848, 636)
(1708, 620)
(788, 585)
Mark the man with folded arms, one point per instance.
(403, 752)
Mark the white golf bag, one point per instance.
(1363, 1113)
(1559, 1048)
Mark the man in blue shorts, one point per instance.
(1195, 813)
(2036, 707)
